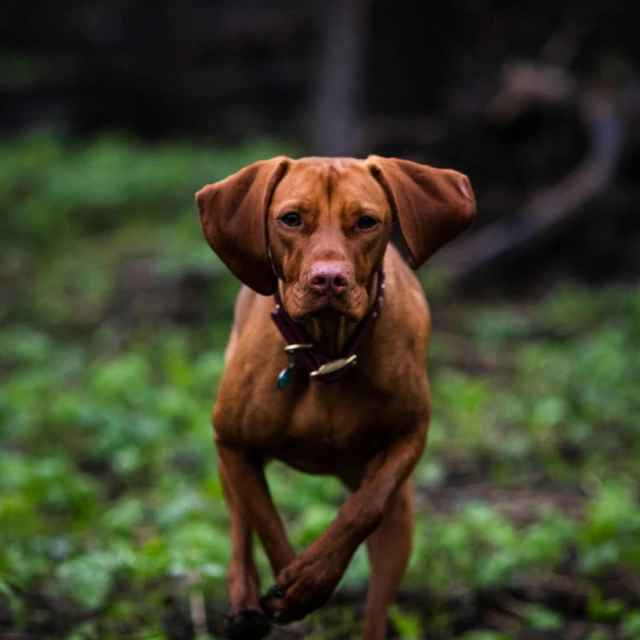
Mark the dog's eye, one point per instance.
(291, 219)
(366, 222)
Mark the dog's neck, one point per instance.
(331, 334)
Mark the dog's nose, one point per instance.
(328, 277)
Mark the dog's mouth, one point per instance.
(326, 307)
(329, 309)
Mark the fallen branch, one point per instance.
(499, 244)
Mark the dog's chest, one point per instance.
(333, 416)
(320, 436)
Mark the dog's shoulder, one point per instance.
(247, 303)
(405, 296)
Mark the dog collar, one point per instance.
(302, 350)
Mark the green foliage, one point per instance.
(53, 190)
(560, 392)
(109, 497)
(611, 532)
(631, 626)
(481, 548)
(408, 625)
(485, 635)
(543, 619)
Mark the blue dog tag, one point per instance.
(285, 376)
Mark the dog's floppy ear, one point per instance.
(432, 205)
(233, 215)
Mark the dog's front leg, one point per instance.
(308, 582)
(245, 473)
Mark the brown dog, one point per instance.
(351, 398)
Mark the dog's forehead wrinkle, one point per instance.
(330, 179)
(332, 192)
(293, 203)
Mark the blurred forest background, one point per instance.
(114, 313)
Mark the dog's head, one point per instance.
(321, 225)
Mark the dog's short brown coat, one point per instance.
(369, 428)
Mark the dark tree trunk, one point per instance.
(337, 83)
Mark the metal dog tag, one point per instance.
(284, 377)
(334, 366)
(292, 349)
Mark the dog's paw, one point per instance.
(304, 586)
(248, 624)
(269, 600)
